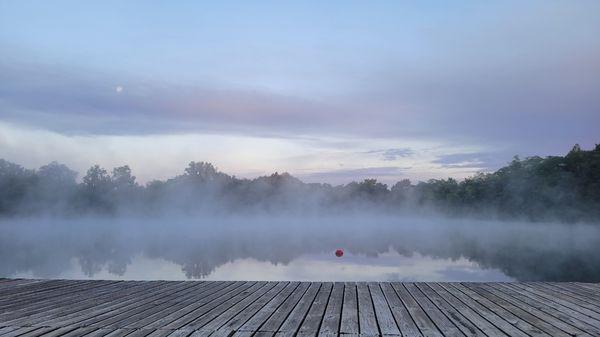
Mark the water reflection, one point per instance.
(376, 249)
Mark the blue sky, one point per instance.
(327, 91)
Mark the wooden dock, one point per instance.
(64, 308)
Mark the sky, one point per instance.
(329, 91)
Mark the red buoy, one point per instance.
(339, 253)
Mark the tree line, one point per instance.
(564, 188)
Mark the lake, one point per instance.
(376, 248)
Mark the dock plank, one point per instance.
(70, 308)
(564, 301)
(193, 308)
(77, 311)
(452, 312)
(333, 313)
(297, 316)
(283, 311)
(553, 309)
(222, 309)
(238, 307)
(205, 306)
(522, 313)
(349, 324)
(367, 321)
(385, 319)
(494, 307)
(152, 321)
(437, 316)
(548, 313)
(577, 298)
(403, 318)
(312, 322)
(254, 323)
(474, 310)
(241, 318)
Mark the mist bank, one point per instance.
(557, 188)
(242, 247)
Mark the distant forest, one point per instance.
(564, 188)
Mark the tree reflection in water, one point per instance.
(522, 251)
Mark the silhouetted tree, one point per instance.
(56, 187)
(15, 183)
(96, 189)
(556, 187)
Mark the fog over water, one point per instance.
(430, 141)
(376, 248)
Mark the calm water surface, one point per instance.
(376, 249)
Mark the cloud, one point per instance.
(332, 160)
(393, 154)
(514, 106)
(499, 75)
(476, 160)
(450, 93)
(387, 174)
(71, 101)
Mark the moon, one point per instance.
(119, 89)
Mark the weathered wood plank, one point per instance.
(254, 323)
(594, 288)
(549, 314)
(453, 313)
(223, 308)
(385, 319)
(113, 313)
(421, 319)
(140, 333)
(191, 309)
(38, 332)
(565, 301)
(119, 333)
(25, 288)
(68, 295)
(241, 318)
(232, 307)
(438, 317)
(150, 321)
(7, 329)
(20, 331)
(555, 311)
(86, 306)
(518, 310)
(494, 307)
(367, 322)
(63, 308)
(475, 312)
(17, 299)
(59, 332)
(162, 305)
(401, 315)
(101, 332)
(349, 323)
(333, 312)
(312, 322)
(577, 298)
(80, 332)
(281, 313)
(205, 305)
(163, 333)
(297, 316)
